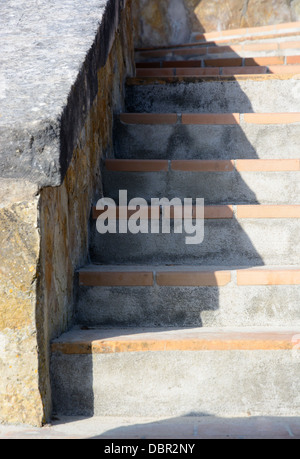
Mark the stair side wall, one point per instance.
(44, 239)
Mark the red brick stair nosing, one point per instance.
(200, 165)
(116, 278)
(210, 212)
(150, 80)
(186, 276)
(225, 62)
(209, 118)
(137, 165)
(218, 71)
(101, 341)
(205, 49)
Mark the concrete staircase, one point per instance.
(169, 329)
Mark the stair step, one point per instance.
(210, 118)
(240, 235)
(175, 372)
(207, 136)
(115, 341)
(231, 71)
(185, 276)
(212, 95)
(221, 211)
(181, 296)
(233, 62)
(217, 182)
(249, 32)
(212, 71)
(208, 50)
(252, 165)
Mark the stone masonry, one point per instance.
(62, 71)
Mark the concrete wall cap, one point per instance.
(50, 54)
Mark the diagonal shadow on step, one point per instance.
(204, 426)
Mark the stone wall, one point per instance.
(160, 22)
(44, 230)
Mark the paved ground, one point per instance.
(179, 428)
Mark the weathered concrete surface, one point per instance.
(214, 187)
(246, 141)
(133, 428)
(47, 82)
(157, 23)
(215, 97)
(45, 232)
(157, 306)
(227, 242)
(176, 383)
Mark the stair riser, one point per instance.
(214, 187)
(220, 383)
(246, 141)
(226, 242)
(269, 32)
(215, 97)
(158, 306)
(194, 54)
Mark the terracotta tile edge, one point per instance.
(193, 344)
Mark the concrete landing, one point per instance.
(189, 427)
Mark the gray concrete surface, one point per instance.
(172, 384)
(230, 305)
(227, 242)
(214, 187)
(245, 141)
(46, 59)
(141, 428)
(215, 97)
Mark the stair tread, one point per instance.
(84, 340)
